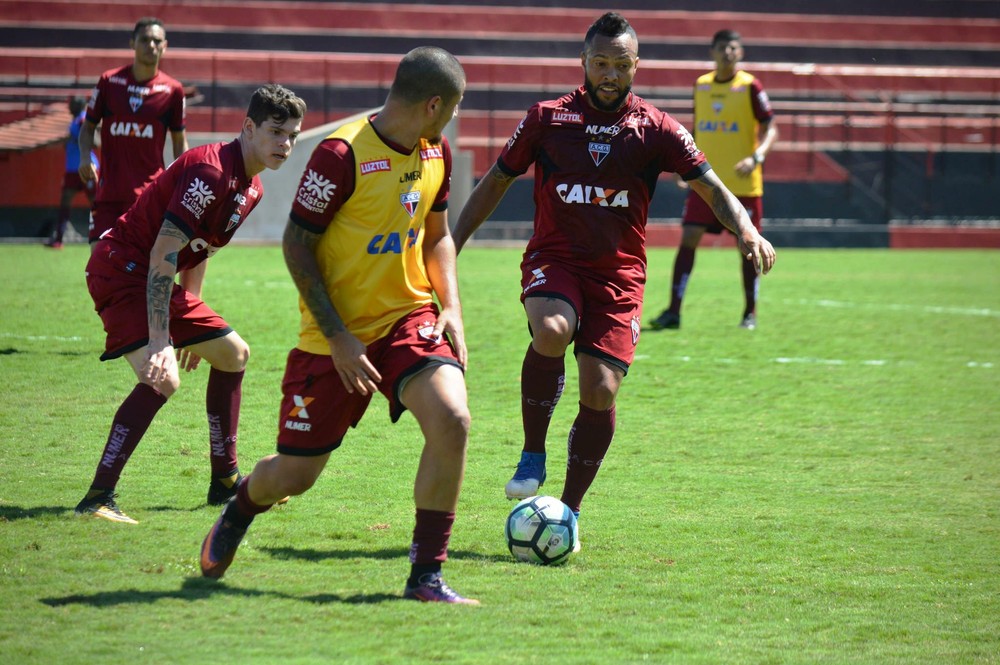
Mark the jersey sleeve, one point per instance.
(326, 184)
(178, 110)
(760, 102)
(522, 147)
(441, 201)
(201, 188)
(679, 153)
(98, 101)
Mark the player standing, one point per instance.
(72, 183)
(734, 126)
(136, 105)
(367, 244)
(185, 216)
(597, 153)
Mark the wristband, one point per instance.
(758, 157)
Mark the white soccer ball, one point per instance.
(542, 530)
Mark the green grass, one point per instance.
(825, 489)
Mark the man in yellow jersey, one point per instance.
(733, 126)
(367, 244)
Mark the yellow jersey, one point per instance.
(726, 127)
(369, 199)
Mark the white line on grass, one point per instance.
(42, 338)
(895, 307)
(782, 360)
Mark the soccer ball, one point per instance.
(542, 530)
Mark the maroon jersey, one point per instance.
(595, 173)
(205, 193)
(135, 118)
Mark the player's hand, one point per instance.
(756, 248)
(161, 363)
(87, 171)
(450, 322)
(356, 372)
(745, 166)
(188, 360)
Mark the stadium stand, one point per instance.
(902, 95)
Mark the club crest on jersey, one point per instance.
(135, 102)
(410, 201)
(598, 151)
(426, 330)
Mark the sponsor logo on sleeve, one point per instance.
(197, 198)
(314, 193)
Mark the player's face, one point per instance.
(272, 142)
(443, 116)
(609, 66)
(149, 45)
(727, 54)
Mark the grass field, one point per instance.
(825, 489)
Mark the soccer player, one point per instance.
(184, 217)
(72, 183)
(597, 152)
(368, 246)
(733, 125)
(135, 105)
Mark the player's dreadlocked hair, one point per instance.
(611, 24)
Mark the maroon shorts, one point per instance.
(105, 214)
(121, 303)
(607, 316)
(698, 213)
(316, 409)
(73, 181)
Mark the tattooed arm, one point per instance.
(733, 216)
(482, 202)
(348, 352)
(160, 359)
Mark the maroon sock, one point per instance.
(542, 382)
(222, 402)
(683, 267)
(241, 510)
(589, 440)
(130, 423)
(62, 223)
(751, 286)
(430, 537)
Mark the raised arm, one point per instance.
(734, 217)
(482, 202)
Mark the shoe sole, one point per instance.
(105, 514)
(208, 568)
(512, 495)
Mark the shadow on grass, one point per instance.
(12, 513)
(310, 554)
(197, 588)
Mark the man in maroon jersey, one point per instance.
(186, 214)
(135, 105)
(597, 153)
